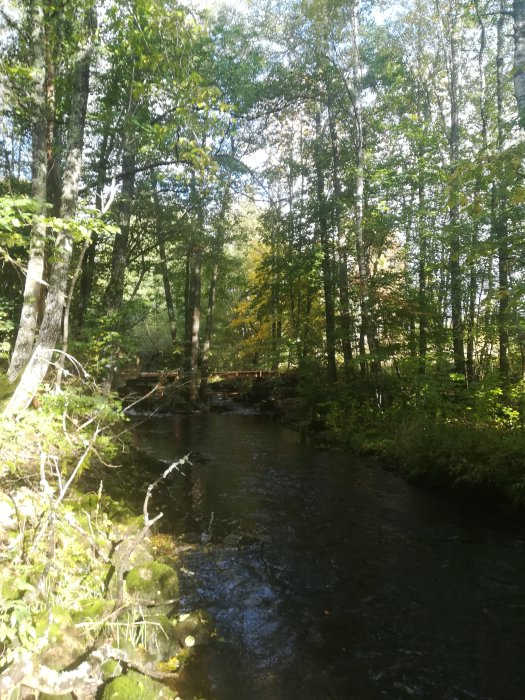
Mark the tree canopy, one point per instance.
(305, 182)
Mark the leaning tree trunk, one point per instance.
(40, 360)
(25, 338)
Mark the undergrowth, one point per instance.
(68, 623)
(434, 429)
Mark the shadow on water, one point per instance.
(329, 578)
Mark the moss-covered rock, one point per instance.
(154, 583)
(135, 686)
(50, 696)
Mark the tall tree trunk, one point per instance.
(212, 291)
(192, 296)
(501, 229)
(170, 305)
(367, 332)
(422, 268)
(456, 285)
(193, 315)
(322, 222)
(25, 338)
(163, 262)
(87, 274)
(206, 343)
(114, 293)
(474, 271)
(342, 242)
(38, 365)
(518, 12)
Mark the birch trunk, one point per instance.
(367, 332)
(518, 12)
(39, 363)
(25, 338)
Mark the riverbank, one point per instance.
(436, 432)
(89, 593)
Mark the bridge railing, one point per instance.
(134, 373)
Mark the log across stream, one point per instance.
(327, 577)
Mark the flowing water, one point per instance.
(329, 578)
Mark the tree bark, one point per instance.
(193, 312)
(87, 274)
(456, 285)
(322, 222)
(206, 344)
(344, 294)
(500, 229)
(367, 332)
(518, 12)
(114, 293)
(212, 291)
(25, 338)
(170, 305)
(38, 365)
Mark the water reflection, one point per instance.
(329, 578)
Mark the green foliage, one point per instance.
(135, 686)
(154, 582)
(434, 428)
(16, 215)
(63, 555)
(6, 328)
(77, 421)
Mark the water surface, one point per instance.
(329, 578)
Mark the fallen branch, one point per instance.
(130, 546)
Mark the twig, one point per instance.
(142, 398)
(77, 468)
(164, 475)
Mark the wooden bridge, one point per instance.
(162, 376)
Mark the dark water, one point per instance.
(329, 578)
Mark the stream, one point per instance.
(328, 577)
